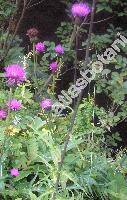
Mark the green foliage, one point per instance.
(6, 9)
(15, 53)
(112, 6)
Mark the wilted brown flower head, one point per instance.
(32, 33)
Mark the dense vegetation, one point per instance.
(76, 153)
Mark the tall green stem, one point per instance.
(1, 170)
(35, 68)
(9, 100)
(53, 84)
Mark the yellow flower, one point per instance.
(11, 130)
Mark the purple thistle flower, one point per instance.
(15, 74)
(80, 9)
(40, 47)
(14, 104)
(14, 172)
(3, 114)
(59, 49)
(46, 104)
(53, 66)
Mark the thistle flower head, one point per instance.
(40, 47)
(53, 66)
(3, 114)
(14, 104)
(80, 9)
(46, 104)
(59, 49)
(15, 74)
(14, 172)
(32, 33)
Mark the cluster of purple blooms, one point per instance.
(59, 50)
(13, 105)
(40, 47)
(15, 74)
(77, 10)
